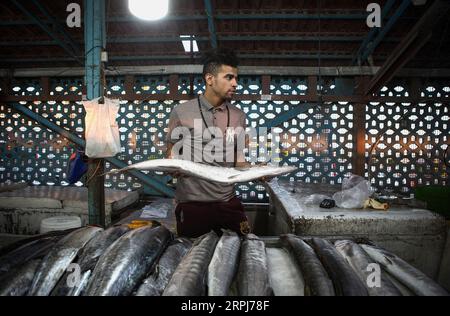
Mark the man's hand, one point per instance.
(242, 165)
(177, 174)
(267, 178)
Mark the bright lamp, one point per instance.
(149, 9)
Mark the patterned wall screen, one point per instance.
(408, 139)
(406, 142)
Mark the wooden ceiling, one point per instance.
(270, 33)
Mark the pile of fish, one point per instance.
(150, 261)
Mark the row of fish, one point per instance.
(150, 262)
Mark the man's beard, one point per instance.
(227, 97)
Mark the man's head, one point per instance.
(220, 73)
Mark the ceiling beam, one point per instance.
(228, 38)
(47, 29)
(243, 70)
(373, 31)
(68, 39)
(293, 55)
(410, 45)
(219, 16)
(381, 35)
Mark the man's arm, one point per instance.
(169, 154)
(240, 154)
(174, 121)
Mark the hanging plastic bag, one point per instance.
(102, 131)
(355, 191)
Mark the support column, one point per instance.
(359, 129)
(95, 42)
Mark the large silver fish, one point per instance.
(17, 282)
(59, 258)
(285, 277)
(414, 279)
(359, 261)
(345, 280)
(317, 281)
(223, 265)
(126, 262)
(401, 287)
(55, 235)
(155, 284)
(210, 173)
(87, 259)
(253, 274)
(189, 277)
(32, 250)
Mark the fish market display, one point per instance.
(127, 261)
(210, 173)
(317, 281)
(147, 261)
(360, 261)
(189, 277)
(59, 258)
(223, 265)
(253, 275)
(155, 284)
(414, 279)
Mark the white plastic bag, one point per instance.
(355, 191)
(157, 209)
(102, 131)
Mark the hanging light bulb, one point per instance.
(149, 9)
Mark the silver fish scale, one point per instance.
(223, 265)
(97, 245)
(253, 275)
(88, 258)
(189, 277)
(80, 237)
(359, 261)
(155, 284)
(77, 290)
(345, 280)
(18, 281)
(123, 265)
(34, 249)
(317, 281)
(414, 279)
(59, 258)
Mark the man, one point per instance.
(203, 206)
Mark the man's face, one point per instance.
(224, 84)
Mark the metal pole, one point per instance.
(94, 36)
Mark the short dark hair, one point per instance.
(214, 59)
